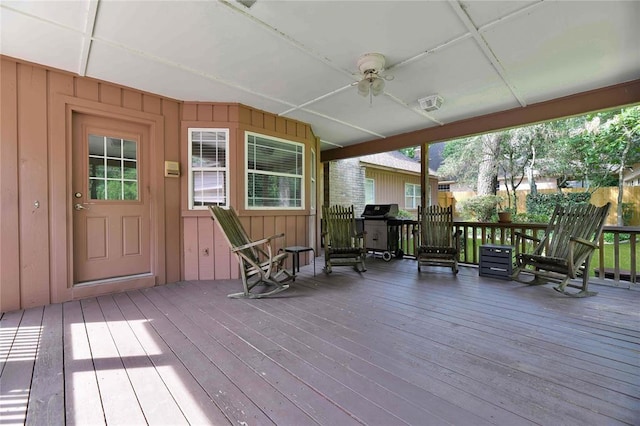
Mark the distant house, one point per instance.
(392, 177)
(386, 178)
(632, 175)
(541, 183)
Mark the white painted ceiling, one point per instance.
(298, 58)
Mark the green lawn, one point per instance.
(625, 255)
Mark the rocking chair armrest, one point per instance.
(526, 237)
(249, 245)
(584, 242)
(257, 242)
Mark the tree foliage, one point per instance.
(595, 149)
(614, 145)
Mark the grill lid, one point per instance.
(380, 211)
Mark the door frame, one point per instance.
(61, 241)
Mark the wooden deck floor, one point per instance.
(386, 347)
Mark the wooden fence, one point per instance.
(600, 197)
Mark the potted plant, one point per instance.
(504, 213)
(504, 216)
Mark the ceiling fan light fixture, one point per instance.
(372, 83)
(377, 86)
(363, 87)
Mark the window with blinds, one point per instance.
(275, 173)
(208, 167)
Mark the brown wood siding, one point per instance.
(171, 111)
(9, 194)
(206, 254)
(33, 185)
(37, 103)
(35, 223)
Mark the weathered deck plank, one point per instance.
(194, 402)
(83, 403)
(388, 346)
(17, 372)
(46, 399)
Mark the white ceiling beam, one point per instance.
(459, 9)
(87, 38)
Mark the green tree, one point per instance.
(614, 146)
(460, 161)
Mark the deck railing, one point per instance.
(615, 263)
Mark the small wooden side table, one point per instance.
(296, 250)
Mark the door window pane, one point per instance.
(113, 168)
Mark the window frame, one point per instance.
(373, 190)
(191, 169)
(302, 176)
(105, 157)
(415, 198)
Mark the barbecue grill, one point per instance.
(381, 225)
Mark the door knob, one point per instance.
(79, 206)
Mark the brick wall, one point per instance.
(346, 180)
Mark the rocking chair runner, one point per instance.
(565, 250)
(436, 243)
(342, 244)
(259, 260)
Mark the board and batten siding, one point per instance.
(35, 228)
(389, 185)
(206, 254)
(36, 108)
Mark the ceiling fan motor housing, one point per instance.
(371, 63)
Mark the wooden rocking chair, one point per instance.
(260, 263)
(342, 244)
(565, 250)
(436, 243)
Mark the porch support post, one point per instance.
(424, 176)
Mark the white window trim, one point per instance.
(415, 198)
(373, 188)
(190, 168)
(246, 173)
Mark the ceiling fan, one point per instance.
(371, 66)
